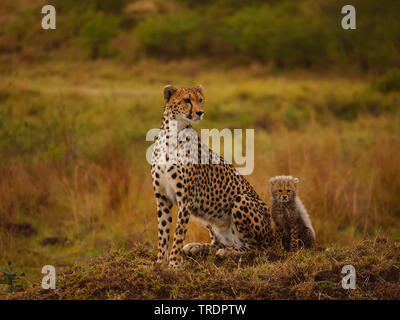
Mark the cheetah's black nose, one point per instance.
(199, 113)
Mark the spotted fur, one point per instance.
(237, 219)
(293, 224)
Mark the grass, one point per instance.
(307, 274)
(73, 179)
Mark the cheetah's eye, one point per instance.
(187, 100)
(288, 191)
(280, 190)
(201, 100)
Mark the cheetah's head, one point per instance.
(284, 188)
(185, 103)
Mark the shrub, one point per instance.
(276, 34)
(388, 82)
(172, 34)
(96, 31)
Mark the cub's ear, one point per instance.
(169, 90)
(199, 88)
(272, 181)
(296, 181)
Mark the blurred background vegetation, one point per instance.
(283, 34)
(76, 104)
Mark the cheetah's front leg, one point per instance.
(179, 237)
(279, 238)
(294, 232)
(164, 218)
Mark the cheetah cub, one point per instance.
(293, 225)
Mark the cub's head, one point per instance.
(185, 103)
(284, 188)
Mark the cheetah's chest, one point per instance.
(166, 183)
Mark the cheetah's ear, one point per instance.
(272, 181)
(169, 90)
(296, 181)
(199, 88)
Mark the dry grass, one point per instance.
(308, 274)
(72, 166)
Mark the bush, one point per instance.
(390, 81)
(172, 35)
(278, 34)
(287, 33)
(96, 31)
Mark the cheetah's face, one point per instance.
(284, 188)
(185, 103)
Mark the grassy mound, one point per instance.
(307, 274)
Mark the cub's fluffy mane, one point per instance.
(284, 179)
(304, 215)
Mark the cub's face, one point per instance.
(284, 189)
(185, 103)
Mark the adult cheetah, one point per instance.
(210, 190)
